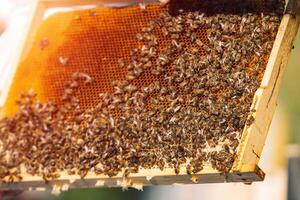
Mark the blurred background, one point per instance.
(280, 159)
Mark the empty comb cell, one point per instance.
(117, 93)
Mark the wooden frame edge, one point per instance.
(249, 175)
(265, 100)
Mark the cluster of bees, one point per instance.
(190, 116)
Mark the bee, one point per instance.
(93, 13)
(118, 90)
(82, 76)
(43, 43)
(143, 7)
(163, 90)
(189, 169)
(146, 29)
(177, 169)
(138, 71)
(153, 42)
(165, 31)
(199, 43)
(152, 52)
(130, 88)
(121, 62)
(80, 141)
(250, 121)
(130, 76)
(77, 17)
(126, 173)
(63, 60)
(82, 173)
(175, 37)
(177, 45)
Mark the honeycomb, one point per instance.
(104, 44)
(92, 41)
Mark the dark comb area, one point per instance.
(119, 89)
(228, 6)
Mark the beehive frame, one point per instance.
(245, 168)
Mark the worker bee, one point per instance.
(165, 31)
(121, 62)
(126, 173)
(152, 42)
(143, 7)
(63, 60)
(177, 169)
(146, 29)
(177, 45)
(93, 13)
(175, 36)
(130, 88)
(131, 76)
(82, 76)
(189, 169)
(43, 43)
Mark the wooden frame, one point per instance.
(245, 168)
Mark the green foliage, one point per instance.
(290, 93)
(100, 194)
